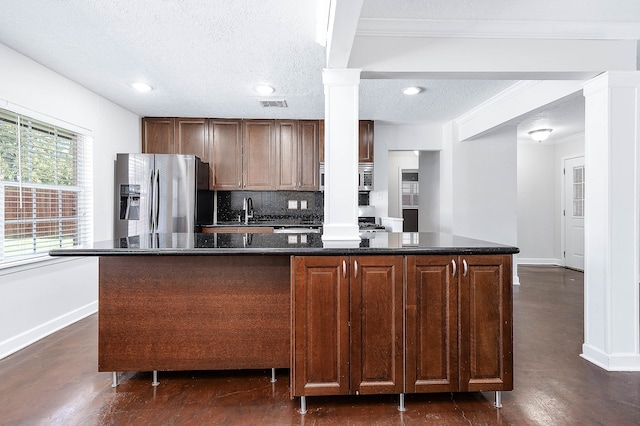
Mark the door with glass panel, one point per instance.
(574, 181)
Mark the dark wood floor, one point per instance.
(54, 382)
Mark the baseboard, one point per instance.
(539, 261)
(611, 362)
(22, 340)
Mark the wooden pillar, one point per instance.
(612, 201)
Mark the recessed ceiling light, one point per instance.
(413, 90)
(141, 86)
(264, 89)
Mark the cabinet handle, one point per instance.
(455, 267)
(344, 269)
(465, 267)
(355, 268)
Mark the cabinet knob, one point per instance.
(454, 266)
(465, 267)
(355, 268)
(344, 269)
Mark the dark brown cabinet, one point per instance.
(365, 141)
(347, 325)
(158, 135)
(432, 324)
(192, 137)
(297, 152)
(226, 154)
(486, 330)
(258, 155)
(457, 311)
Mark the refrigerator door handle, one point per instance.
(152, 199)
(157, 198)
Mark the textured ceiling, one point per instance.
(203, 57)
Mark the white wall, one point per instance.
(541, 198)
(39, 299)
(390, 137)
(429, 180)
(485, 187)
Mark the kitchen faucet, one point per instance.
(247, 207)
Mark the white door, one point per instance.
(574, 213)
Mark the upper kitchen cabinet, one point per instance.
(259, 155)
(226, 154)
(297, 153)
(365, 141)
(192, 137)
(158, 135)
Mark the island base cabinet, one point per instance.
(347, 325)
(486, 332)
(396, 324)
(432, 324)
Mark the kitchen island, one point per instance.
(401, 313)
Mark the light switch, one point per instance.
(303, 204)
(303, 239)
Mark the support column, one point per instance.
(612, 201)
(341, 88)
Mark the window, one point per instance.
(45, 186)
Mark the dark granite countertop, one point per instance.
(382, 243)
(268, 222)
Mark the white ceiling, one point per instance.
(203, 57)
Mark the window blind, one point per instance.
(45, 187)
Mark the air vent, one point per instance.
(273, 104)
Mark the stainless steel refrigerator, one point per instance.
(161, 193)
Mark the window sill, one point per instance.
(8, 268)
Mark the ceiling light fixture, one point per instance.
(142, 86)
(540, 134)
(413, 90)
(264, 89)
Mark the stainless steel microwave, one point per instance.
(365, 176)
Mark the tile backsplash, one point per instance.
(271, 205)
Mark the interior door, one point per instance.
(574, 181)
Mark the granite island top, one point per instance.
(374, 243)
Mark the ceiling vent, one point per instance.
(273, 104)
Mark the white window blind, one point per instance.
(45, 187)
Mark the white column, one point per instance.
(612, 255)
(341, 88)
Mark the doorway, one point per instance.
(573, 212)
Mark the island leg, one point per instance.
(401, 406)
(114, 382)
(498, 402)
(273, 375)
(303, 405)
(155, 381)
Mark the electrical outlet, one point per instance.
(303, 204)
(292, 204)
(292, 239)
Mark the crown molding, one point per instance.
(572, 30)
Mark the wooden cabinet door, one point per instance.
(308, 163)
(365, 141)
(226, 154)
(486, 353)
(259, 154)
(321, 141)
(192, 137)
(376, 290)
(158, 135)
(432, 325)
(320, 326)
(287, 154)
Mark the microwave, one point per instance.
(365, 176)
